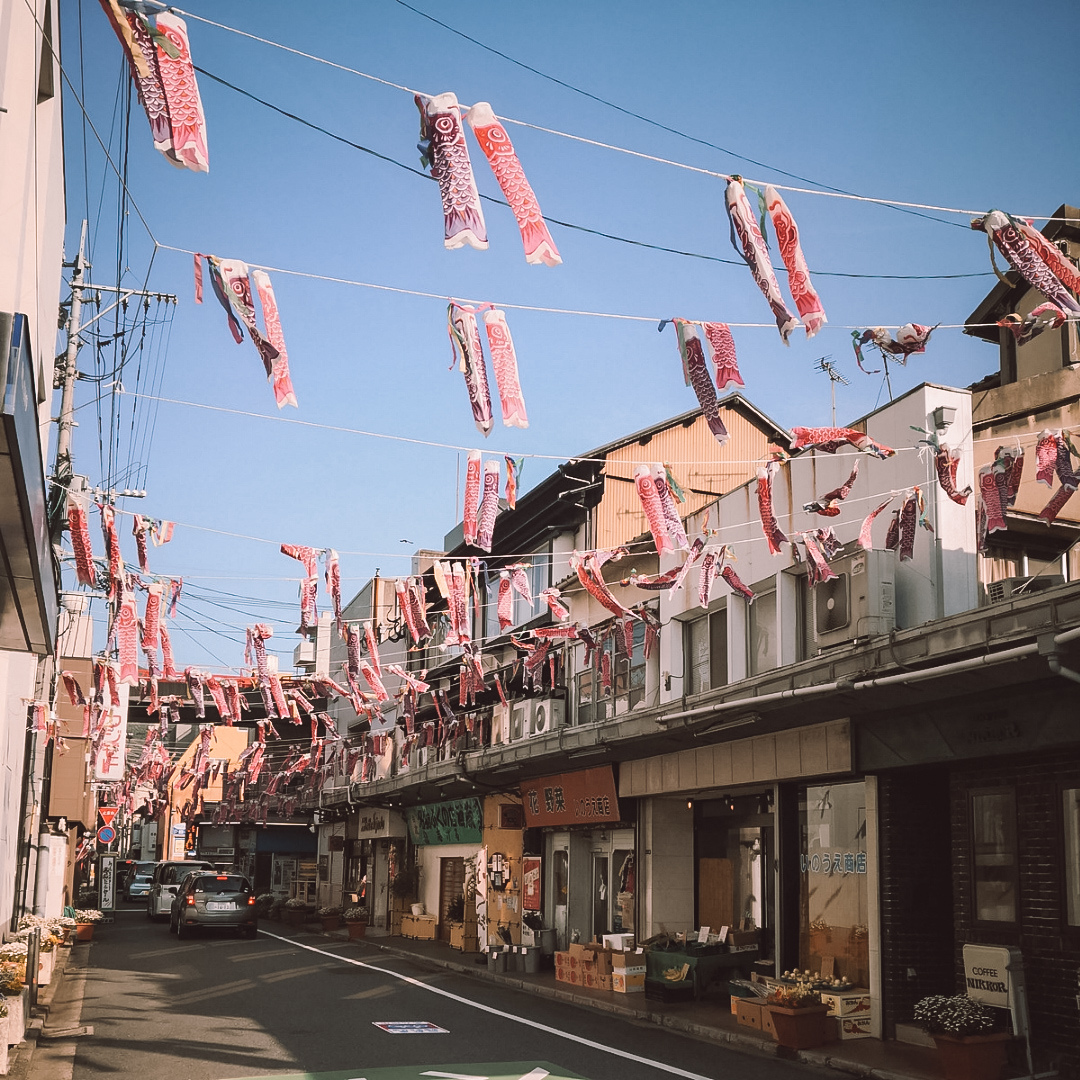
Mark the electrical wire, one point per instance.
(572, 225)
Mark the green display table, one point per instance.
(706, 966)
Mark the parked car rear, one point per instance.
(214, 901)
(137, 886)
(167, 878)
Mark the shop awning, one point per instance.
(28, 587)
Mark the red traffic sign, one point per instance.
(108, 813)
(106, 834)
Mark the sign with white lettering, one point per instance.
(577, 798)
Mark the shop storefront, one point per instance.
(371, 835)
(588, 866)
(446, 836)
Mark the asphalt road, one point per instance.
(296, 1004)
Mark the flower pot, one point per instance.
(330, 922)
(973, 1057)
(417, 909)
(356, 929)
(84, 931)
(295, 916)
(800, 1029)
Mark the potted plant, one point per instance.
(406, 882)
(295, 911)
(85, 920)
(356, 922)
(331, 917)
(798, 1016)
(963, 1030)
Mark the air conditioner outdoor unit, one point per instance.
(859, 602)
(500, 724)
(1015, 588)
(520, 712)
(547, 715)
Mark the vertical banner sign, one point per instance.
(530, 883)
(109, 759)
(176, 841)
(107, 882)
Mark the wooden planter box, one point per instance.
(463, 938)
(330, 922)
(357, 929)
(973, 1057)
(801, 1029)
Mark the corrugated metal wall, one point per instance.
(703, 468)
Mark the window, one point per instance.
(595, 701)
(705, 652)
(994, 866)
(763, 647)
(1071, 800)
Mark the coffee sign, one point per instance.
(987, 973)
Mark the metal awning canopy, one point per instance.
(28, 586)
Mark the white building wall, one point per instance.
(941, 578)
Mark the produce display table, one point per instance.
(708, 964)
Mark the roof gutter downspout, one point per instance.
(941, 670)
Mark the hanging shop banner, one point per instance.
(109, 760)
(530, 883)
(460, 821)
(577, 798)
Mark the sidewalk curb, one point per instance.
(22, 1053)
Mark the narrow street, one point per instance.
(296, 1004)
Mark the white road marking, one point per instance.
(491, 1010)
(457, 1076)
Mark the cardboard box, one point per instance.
(421, 927)
(598, 961)
(576, 977)
(631, 959)
(857, 1026)
(577, 951)
(748, 1012)
(622, 982)
(618, 942)
(848, 1003)
(606, 982)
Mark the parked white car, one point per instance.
(167, 878)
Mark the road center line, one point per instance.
(535, 1024)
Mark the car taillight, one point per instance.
(191, 900)
(251, 901)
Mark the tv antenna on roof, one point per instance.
(824, 363)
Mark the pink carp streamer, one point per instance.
(696, 374)
(512, 469)
(505, 365)
(112, 544)
(1061, 267)
(235, 277)
(754, 250)
(830, 439)
(372, 645)
(589, 574)
(769, 525)
(140, 529)
(1044, 317)
(555, 605)
(372, 679)
(706, 576)
(279, 375)
(829, 503)
(787, 236)
(1054, 507)
(186, 119)
(1012, 242)
(489, 506)
(80, 541)
(817, 569)
(151, 636)
(671, 579)
(1053, 455)
(946, 462)
(722, 344)
(865, 539)
(473, 482)
(654, 512)
(168, 90)
(465, 337)
(443, 148)
(520, 580)
(671, 512)
(505, 607)
(499, 151)
(1046, 458)
(729, 575)
(127, 637)
(332, 576)
(458, 607)
(418, 607)
(401, 592)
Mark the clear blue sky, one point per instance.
(942, 104)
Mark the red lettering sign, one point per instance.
(578, 798)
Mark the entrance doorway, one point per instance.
(451, 884)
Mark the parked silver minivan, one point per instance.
(167, 878)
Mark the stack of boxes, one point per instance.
(598, 968)
(854, 1012)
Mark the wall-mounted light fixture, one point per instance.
(943, 416)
